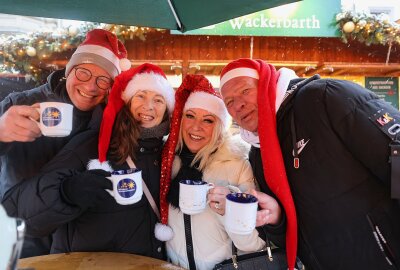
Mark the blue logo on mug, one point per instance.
(51, 117)
(126, 188)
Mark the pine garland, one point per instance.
(368, 28)
(28, 54)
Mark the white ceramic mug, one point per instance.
(240, 213)
(55, 119)
(127, 186)
(193, 196)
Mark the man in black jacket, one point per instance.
(84, 83)
(328, 150)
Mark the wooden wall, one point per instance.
(214, 49)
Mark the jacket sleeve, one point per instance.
(38, 201)
(248, 243)
(5, 104)
(352, 117)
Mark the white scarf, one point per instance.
(282, 83)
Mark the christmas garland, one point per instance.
(28, 54)
(368, 28)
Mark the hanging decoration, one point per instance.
(28, 54)
(368, 29)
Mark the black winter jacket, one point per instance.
(343, 182)
(107, 227)
(21, 160)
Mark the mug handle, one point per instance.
(110, 191)
(37, 122)
(233, 189)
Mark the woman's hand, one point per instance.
(270, 212)
(216, 199)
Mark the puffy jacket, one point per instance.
(107, 227)
(21, 160)
(211, 243)
(343, 181)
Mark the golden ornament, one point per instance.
(30, 51)
(349, 27)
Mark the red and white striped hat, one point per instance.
(103, 49)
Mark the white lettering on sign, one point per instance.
(262, 22)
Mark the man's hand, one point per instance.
(18, 124)
(270, 212)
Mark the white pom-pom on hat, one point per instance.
(163, 232)
(124, 64)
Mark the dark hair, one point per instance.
(124, 139)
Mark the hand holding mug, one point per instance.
(127, 186)
(270, 212)
(86, 189)
(16, 124)
(216, 197)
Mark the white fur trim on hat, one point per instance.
(96, 164)
(238, 72)
(95, 54)
(163, 232)
(100, 50)
(208, 102)
(153, 82)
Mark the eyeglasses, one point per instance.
(84, 75)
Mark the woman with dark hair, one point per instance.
(72, 202)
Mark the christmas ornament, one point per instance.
(349, 27)
(30, 51)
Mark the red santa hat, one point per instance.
(271, 154)
(195, 92)
(101, 48)
(121, 93)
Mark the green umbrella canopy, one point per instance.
(183, 15)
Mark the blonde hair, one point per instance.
(218, 137)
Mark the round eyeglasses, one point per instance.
(84, 75)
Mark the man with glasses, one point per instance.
(85, 84)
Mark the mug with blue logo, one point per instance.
(55, 119)
(193, 196)
(127, 186)
(240, 213)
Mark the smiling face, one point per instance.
(148, 108)
(197, 128)
(240, 98)
(86, 95)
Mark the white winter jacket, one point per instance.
(211, 243)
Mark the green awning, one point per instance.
(168, 14)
